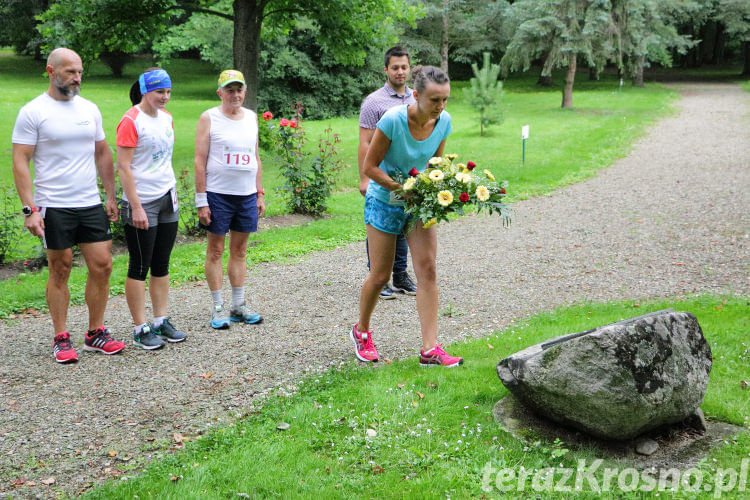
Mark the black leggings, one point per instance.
(150, 249)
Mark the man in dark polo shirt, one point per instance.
(395, 92)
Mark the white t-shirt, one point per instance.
(64, 134)
(231, 167)
(153, 140)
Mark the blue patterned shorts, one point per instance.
(384, 217)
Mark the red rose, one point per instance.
(501, 190)
(267, 116)
(471, 165)
(283, 122)
(464, 197)
(413, 172)
(293, 124)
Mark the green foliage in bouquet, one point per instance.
(447, 186)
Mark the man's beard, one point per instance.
(67, 90)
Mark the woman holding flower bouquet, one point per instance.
(405, 139)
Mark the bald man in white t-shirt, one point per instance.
(62, 134)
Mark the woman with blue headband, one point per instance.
(145, 139)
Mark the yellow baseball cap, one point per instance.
(230, 76)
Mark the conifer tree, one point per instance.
(485, 93)
(564, 30)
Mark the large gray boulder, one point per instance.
(616, 381)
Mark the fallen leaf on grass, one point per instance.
(490, 346)
(401, 385)
(30, 483)
(377, 469)
(49, 481)
(432, 385)
(387, 361)
(112, 453)
(421, 396)
(177, 437)
(743, 384)
(174, 479)
(206, 375)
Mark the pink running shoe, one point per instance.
(63, 350)
(364, 349)
(438, 357)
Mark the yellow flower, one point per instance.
(483, 194)
(463, 177)
(489, 175)
(435, 160)
(451, 156)
(461, 167)
(436, 175)
(429, 223)
(445, 198)
(409, 183)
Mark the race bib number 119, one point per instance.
(238, 159)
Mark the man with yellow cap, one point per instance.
(228, 193)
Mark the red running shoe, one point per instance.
(63, 350)
(364, 348)
(438, 357)
(101, 340)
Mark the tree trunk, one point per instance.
(545, 76)
(248, 19)
(570, 76)
(444, 41)
(638, 76)
(544, 80)
(746, 58)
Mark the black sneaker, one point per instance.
(387, 293)
(402, 283)
(147, 340)
(168, 332)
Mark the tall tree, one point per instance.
(457, 30)
(18, 25)
(564, 30)
(735, 16)
(646, 31)
(106, 29)
(347, 28)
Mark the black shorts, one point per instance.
(65, 227)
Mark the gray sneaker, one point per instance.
(168, 332)
(219, 318)
(147, 340)
(243, 315)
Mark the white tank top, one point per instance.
(231, 166)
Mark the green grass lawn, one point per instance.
(435, 434)
(565, 146)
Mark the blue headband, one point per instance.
(154, 80)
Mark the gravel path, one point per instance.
(671, 219)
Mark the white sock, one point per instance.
(216, 296)
(238, 295)
(139, 329)
(158, 321)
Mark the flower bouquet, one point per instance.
(446, 186)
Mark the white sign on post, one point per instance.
(525, 132)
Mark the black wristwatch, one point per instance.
(28, 210)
